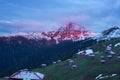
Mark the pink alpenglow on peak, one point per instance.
(68, 32)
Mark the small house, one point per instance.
(89, 52)
(112, 53)
(102, 57)
(73, 66)
(25, 74)
(118, 44)
(6, 78)
(69, 59)
(54, 62)
(43, 65)
(108, 48)
(109, 56)
(80, 52)
(102, 61)
(92, 56)
(118, 57)
(59, 61)
(71, 62)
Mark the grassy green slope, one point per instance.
(87, 69)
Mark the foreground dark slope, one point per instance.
(87, 69)
(30, 54)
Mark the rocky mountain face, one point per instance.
(68, 32)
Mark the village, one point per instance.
(109, 55)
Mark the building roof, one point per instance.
(25, 74)
(109, 48)
(80, 52)
(89, 51)
(118, 44)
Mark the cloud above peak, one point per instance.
(46, 15)
(18, 26)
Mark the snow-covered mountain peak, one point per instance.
(113, 32)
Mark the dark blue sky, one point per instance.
(46, 15)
